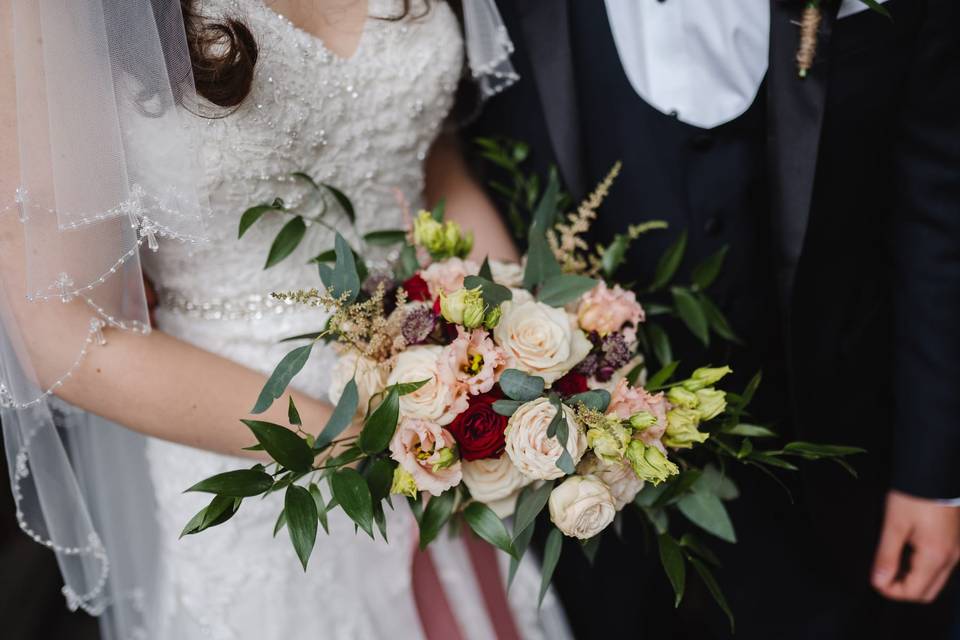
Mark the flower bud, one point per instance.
(454, 307)
(680, 397)
(681, 430)
(712, 403)
(403, 483)
(429, 233)
(642, 420)
(609, 442)
(473, 314)
(447, 456)
(649, 463)
(492, 318)
(705, 377)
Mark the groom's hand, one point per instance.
(932, 532)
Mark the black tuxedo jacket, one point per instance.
(864, 177)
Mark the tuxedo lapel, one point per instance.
(546, 34)
(795, 118)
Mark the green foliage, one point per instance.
(342, 279)
(353, 495)
(488, 526)
(341, 417)
(438, 511)
(561, 289)
(286, 241)
(551, 556)
(283, 445)
(241, 483)
(671, 557)
(301, 517)
(381, 424)
(521, 386)
(289, 367)
(598, 399)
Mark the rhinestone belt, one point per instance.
(250, 307)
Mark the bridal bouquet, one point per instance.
(489, 392)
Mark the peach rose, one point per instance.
(427, 452)
(438, 400)
(606, 310)
(531, 450)
(472, 360)
(540, 340)
(619, 477)
(447, 276)
(581, 507)
(495, 482)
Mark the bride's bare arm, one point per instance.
(448, 177)
(154, 384)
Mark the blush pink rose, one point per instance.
(606, 310)
(472, 360)
(417, 446)
(625, 401)
(447, 276)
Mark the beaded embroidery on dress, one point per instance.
(363, 124)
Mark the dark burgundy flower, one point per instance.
(571, 384)
(588, 366)
(418, 325)
(479, 429)
(616, 352)
(416, 288)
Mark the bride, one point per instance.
(145, 128)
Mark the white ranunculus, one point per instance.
(581, 507)
(528, 446)
(540, 340)
(496, 482)
(435, 401)
(509, 274)
(623, 483)
(370, 376)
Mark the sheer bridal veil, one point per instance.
(94, 94)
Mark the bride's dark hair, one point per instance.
(224, 53)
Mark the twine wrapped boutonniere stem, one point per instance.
(809, 28)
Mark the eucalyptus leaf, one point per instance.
(598, 399)
(488, 526)
(353, 495)
(289, 367)
(677, 487)
(485, 271)
(714, 481)
(341, 417)
(506, 407)
(381, 424)
(493, 294)
(385, 237)
(283, 445)
(241, 483)
(286, 241)
(688, 308)
(541, 263)
(435, 515)
(560, 289)
(669, 262)
(671, 557)
(707, 512)
(521, 386)
(551, 556)
(409, 264)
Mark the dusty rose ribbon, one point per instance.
(436, 615)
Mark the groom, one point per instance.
(839, 196)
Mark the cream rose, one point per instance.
(528, 446)
(509, 274)
(370, 376)
(436, 401)
(540, 340)
(495, 482)
(581, 507)
(623, 483)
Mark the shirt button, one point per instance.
(702, 141)
(713, 226)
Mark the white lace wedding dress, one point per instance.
(363, 124)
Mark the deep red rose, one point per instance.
(479, 429)
(571, 384)
(416, 288)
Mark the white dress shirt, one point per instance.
(702, 60)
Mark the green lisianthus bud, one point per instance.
(649, 463)
(465, 246)
(680, 397)
(682, 429)
(712, 403)
(610, 441)
(492, 318)
(447, 457)
(705, 377)
(403, 483)
(428, 233)
(456, 306)
(642, 420)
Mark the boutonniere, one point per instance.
(810, 29)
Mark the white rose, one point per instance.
(509, 274)
(370, 376)
(581, 507)
(540, 340)
(528, 446)
(496, 482)
(623, 483)
(435, 401)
